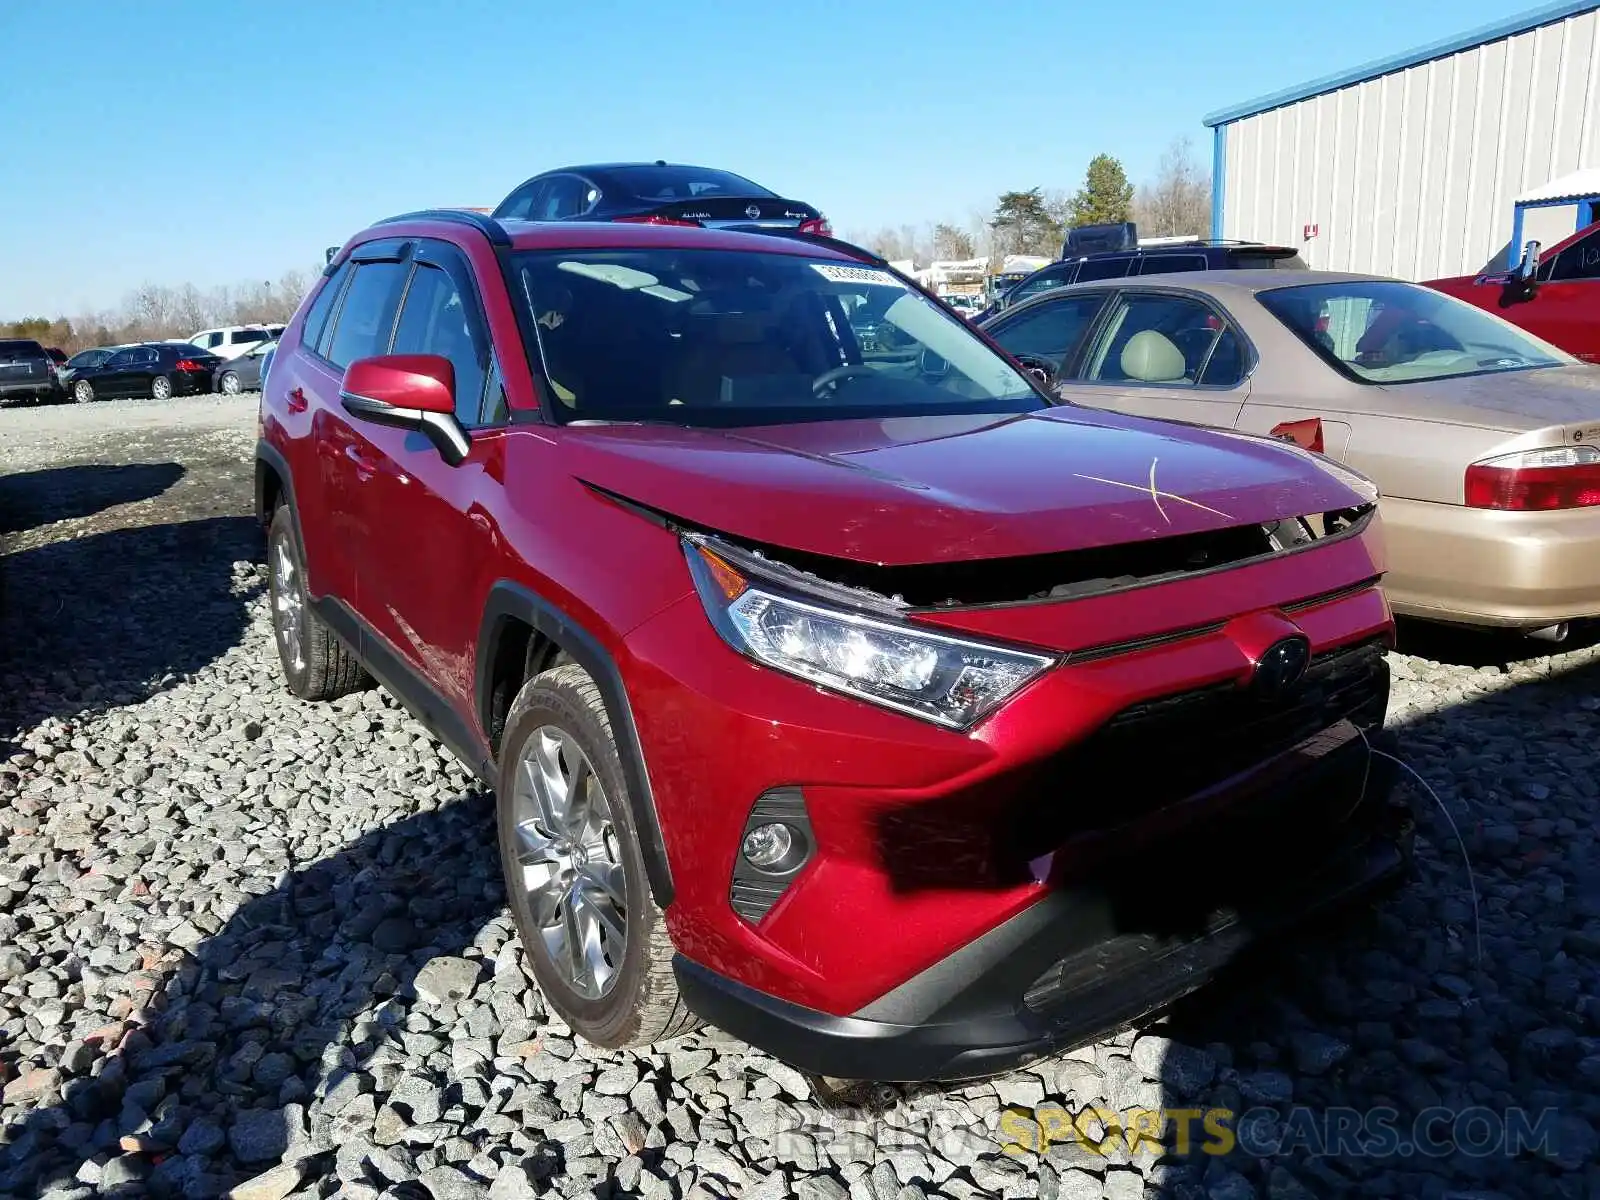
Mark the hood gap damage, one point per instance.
(994, 582)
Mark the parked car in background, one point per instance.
(83, 360)
(244, 373)
(1149, 260)
(670, 507)
(233, 340)
(1484, 441)
(657, 193)
(158, 370)
(1554, 295)
(27, 372)
(58, 360)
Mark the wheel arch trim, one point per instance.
(508, 601)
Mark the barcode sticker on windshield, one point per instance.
(870, 275)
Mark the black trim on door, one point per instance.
(511, 601)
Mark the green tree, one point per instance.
(1022, 224)
(1106, 196)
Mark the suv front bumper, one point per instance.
(1094, 954)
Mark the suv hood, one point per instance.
(901, 491)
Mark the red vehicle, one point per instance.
(1554, 295)
(884, 712)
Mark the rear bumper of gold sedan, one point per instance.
(1477, 566)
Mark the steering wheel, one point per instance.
(834, 376)
(1042, 369)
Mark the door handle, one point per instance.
(365, 467)
(297, 400)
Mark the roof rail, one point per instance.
(484, 224)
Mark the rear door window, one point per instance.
(366, 318)
(249, 337)
(120, 360)
(435, 320)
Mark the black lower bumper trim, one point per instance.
(1035, 1001)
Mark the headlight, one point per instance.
(946, 680)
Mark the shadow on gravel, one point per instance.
(1486, 647)
(32, 498)
(109, 618)
(259, 1016)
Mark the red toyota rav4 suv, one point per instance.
(877, 708)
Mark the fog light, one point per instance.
(768, 846)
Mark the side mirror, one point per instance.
(1529, 265)
(408, 391)
(932, 364)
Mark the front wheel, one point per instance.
(229, 384)
(574, 873)
(83, 391)
(161, 388)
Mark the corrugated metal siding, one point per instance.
(1413, 173)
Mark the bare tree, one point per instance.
(154, 311)
(950, 242)
(1178, 201)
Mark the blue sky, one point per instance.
(174, 141)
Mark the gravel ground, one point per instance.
(251, 944)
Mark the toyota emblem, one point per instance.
(1281, 666)
(753, 212)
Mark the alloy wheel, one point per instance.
(82, 391)
(230, 384)
(570, 861)
(288, 606)
(160, 388)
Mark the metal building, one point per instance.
(1431, 163)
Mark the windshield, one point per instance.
(1380, 331)
(722, 337)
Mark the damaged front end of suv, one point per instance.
(1125, 766)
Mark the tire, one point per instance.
(639, 1004)
(82, 391)
(316, 664)
(229, 384)
(161, 388)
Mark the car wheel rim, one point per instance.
(567, 854)
(161, 389)
(288, 606)
(230, 385)
(84, 393)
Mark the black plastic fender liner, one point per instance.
(509, 601)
